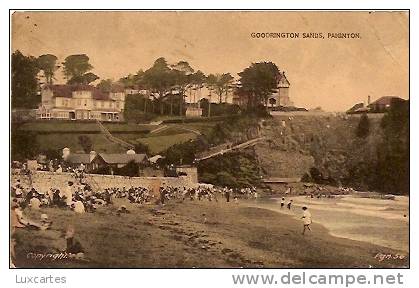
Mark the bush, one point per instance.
(86, 143)
(226, 179)
(24, 145)
(235, 170)
(131, 169)
(141, 148)
(363, 129)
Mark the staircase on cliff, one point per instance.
(112, 138)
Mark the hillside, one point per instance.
(296, 145)
(55, 135)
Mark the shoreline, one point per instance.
(348, 230)
(198, 234)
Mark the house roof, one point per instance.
(386, 100)
(123, 158)
(355, 108)
(282, 80)
(60, 90)
(155, 158)
(117, 88)
(79, 158)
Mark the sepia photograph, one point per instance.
(209, 139)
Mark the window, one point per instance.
(102, 104)
(79, 102)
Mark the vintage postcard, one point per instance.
(209, 139)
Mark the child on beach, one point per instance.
(289, 205)
(282, 202)
(306, 219)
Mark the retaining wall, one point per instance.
(43, 181)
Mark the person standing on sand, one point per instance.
(306, 219)
(68, 193)
(227, 194)
(289, 204)
(282, 202)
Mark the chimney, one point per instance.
(92, 155)
(369, 100)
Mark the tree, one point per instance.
(257, 83)
(363, 128)
(182, 76)
(198, 81)
(86, 143)
(24, 81)
(84, 79)
(392, 167)
(24, 145)
(48, 64)
(226, 84)
(129, 81)
(211, 83)
(221, 84)
(75, 67)
(159, 79)
(105, 85)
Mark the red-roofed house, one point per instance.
(81, 102)
(383, 103)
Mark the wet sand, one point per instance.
(376, 221)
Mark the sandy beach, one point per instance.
(376, 221)
(211, 234)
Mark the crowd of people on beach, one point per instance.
(80, 197)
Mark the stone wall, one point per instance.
(42, 181)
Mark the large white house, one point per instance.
(81, 102)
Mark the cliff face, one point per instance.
(328, 149)
(328, 143)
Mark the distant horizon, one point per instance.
(345, 70)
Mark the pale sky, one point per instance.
(331, 73)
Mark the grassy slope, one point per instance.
(232, 236)
(57, 135)
(158, 143)
(61, 126)
(58, 141)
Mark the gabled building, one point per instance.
(118, 160)
(81, 102)
(279, 98)
(93, 161)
